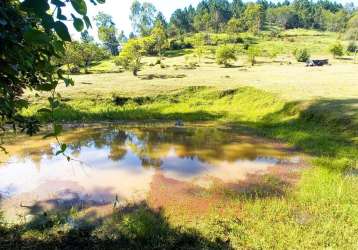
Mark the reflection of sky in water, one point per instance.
(128, 174)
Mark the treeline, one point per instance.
(152, 33)
(224, 16)
(237, 16)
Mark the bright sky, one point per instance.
(120, 10)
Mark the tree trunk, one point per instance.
(135, 72)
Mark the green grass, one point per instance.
(320, 212)
(312, 109)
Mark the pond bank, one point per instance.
(321, 211)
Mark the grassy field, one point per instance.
(313, 109)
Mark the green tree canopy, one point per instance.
(107, 32)
(30, 37)
(143, 16)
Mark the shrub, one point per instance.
(131, 55)
(302, 55)
(352, 47)
(336, 49)
(179, 44)
(252, 53)
(225, 54)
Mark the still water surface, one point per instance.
(117, 162)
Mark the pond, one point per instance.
(120, 164)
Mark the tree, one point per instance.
(182, 21)
(161, 19)
(284, 16)
(131, 55)
(225, 54)
(234, 26)
(252, 53)
(30, 38)
(302, 55)
(199, 45)
(83, 55)
(86, 37)
(142, 17)
(335, 22)
(305, 12)
(212, 15)
(336, 49)
(107, 32)
(237, 8)
(160, 37)
(253, 17)
(352, 28)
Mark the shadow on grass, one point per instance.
(160, 76)
(68, 113)
(323, 128)
(131, 227)
(176, 53)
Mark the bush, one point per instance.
(252, 53)
(177, 44)
(225, 54)
(131, 55)
(352, 47)
(302, 55)
(336, 49)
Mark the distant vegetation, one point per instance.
(220, 22)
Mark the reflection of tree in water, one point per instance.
(205, 144)
(117, 145)
(152, 144)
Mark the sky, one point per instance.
(120, 10)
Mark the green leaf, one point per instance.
(63, 147)
(68, 82)
(59, 15)
(47, 21)
(40, 7)
(80, 6)
(62, 31)
(58, 3)
(87, 21)
(77, 23)
(36, 36)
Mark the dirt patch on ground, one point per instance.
(190, 199)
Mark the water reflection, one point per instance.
(123, 160)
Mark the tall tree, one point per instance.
(237, 8)
(161, 19)
(160, 37)
(131, 55)
(283, 16)
(182, 20)
(305, 12)
(253, 17)
(107, 32)
(142, 16)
